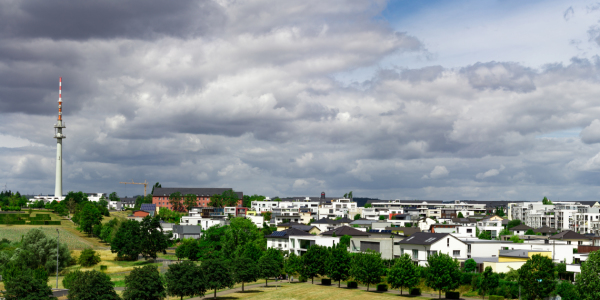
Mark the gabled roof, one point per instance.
(288, 224)
(545, 229)
(362, 222)
(407, 231)
(195, 191)
(345, 230)
(287, 233)
(343, 220)
(303, 227)
(569, 235)
(423, 238)
(323, 221)
(463, 220)
(521, 227)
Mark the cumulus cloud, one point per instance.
(243, 94)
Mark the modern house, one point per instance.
(421, 245)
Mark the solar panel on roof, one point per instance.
(278, 233)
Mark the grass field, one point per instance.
(73, 239)
(303, 291)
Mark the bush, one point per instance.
(88, 258)
(466, 278)
(325, 281)
(415, 292)
(452, 295)
(492, 297)
(103, 268)
(382, 287)
(302, 279)
(352, 284)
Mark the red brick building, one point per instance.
(160, 197)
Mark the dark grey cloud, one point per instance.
(82, 20)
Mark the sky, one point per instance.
(485, 100)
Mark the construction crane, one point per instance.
(144, 183)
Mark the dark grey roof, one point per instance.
(569, 235)
(195, 191)
(345, 230)
(187, 229)
(343, 220)
(463, 220)
(302, 227)
(545, 229)
(423, 238)
(323, 221)
(406, 230)
(287, 233)
(521, 227)
(127, 200)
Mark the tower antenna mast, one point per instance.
(58, 135)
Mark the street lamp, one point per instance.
(57, 253)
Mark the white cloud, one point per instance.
(438, 172)
(490, 173)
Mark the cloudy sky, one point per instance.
(403, 100)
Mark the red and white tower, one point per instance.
(58, 135)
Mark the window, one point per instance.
(448, 241)
(431, 252)
(456, 253)
(415, 254)
(401, 251)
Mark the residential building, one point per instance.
(422, 244)
(160, 197)
(186, 231)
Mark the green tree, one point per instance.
(92, 285)
(536, 277)
(470, 265)
(567, 291)
(443, 273)
(504, 232)
(489, 281)
(216, 201)
(513, 223)
(381, 217)
(38, 250)
(292, 264)
(314, 262)
(144, 283)
(244, 270)
(545, 201)
(175, 199)
(403, 274)
(189, 201)
(368, 205)
(238, 235)
(113, 197)
(90, 216)
(485, 235)
(185, 279)
(126, 241)
(588, 282)
(230, 198)
(27, 284)
(338, 263)
(500, 212)
(345, 240)
(460, 215)
(88, 258)
(357, 217)
(367, 268)
(152, 239)
(210, 242)
(218, 274)
(529, 232)
(268, 268)
(515, 239)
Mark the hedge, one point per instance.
(13, 222)
(492, 297)
(103, 268)
(352, 284)
(325, 281)
(45, 223)
(382, 287)
(302, 279)
(452, 295)
(415, 292)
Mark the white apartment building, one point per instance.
(339, 208)
(560, 216)
(298, 241)
(493, 224)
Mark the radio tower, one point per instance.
(58, 135)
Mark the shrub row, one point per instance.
(452, 295)
(415, 292)
(492, 297)
(382, 287)
(12, 222)
(352, 284)
(45, 223)
(325, 281)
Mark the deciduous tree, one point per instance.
(244, 270)
(588, 282)
(230, 198)
(403, 274)
(144, 283)
(338, 263)
(443, 273)
(90, 216)
(152, 239)
(27, 285)
(489, 281)
(189, 201)
(536, 277)
(126, 242)
(218, 274)
(314, 262)
(92, 285)
(367, 268)
(185, 279)
(292, 265)
(216, 201)
(175, 199)
(470, 265)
